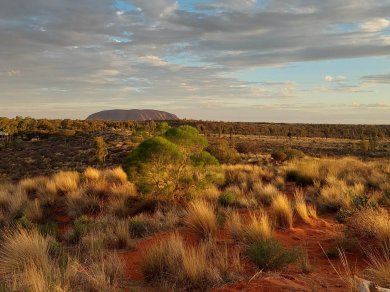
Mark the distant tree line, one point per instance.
(29, 126)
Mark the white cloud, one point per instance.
(328, 78)
(375, 25)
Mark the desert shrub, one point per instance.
(300, 206)
(258, 229)
(304, 173)
(209, 193)
(25, 263)
(115, 176)
(66, 181)
(188, 269)
(279, 155)
(141, 226)
(282, 211)
(224, 152)
(378, 270)
(162, 165)
(203, 159)
(33, 211)
(164, 259)
(372, 223)
(265, 193)
(271, 255)
(294, 153)
(201, 219)
(48, 228)
(91, 174)
(227, 198)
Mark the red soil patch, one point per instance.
(321, 233)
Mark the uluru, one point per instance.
(133, 114)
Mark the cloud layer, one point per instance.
(76, 56)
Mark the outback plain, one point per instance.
(193, 206)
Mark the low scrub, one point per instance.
(300, 206)
(282, 211)
(201, 219)
(271, 255)
(188, 268)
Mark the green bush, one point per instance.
(227, 198)
(271, 255)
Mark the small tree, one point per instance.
(165, 165)
(101, 149)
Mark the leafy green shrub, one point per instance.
(227, 198)
(271, 255)
(224, 152)
(363, 202)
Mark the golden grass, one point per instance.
(34, 211)
(201, 219)
(258, 229)
(211, 194)
(91, 174)
(265, 193)
(189, 268)
(300, 206)
(373, 223)
(115, 176)
(26, 253)
(66, 181)
(282, 211)
(312, 211)
(378, 270)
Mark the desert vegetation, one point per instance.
(183, 212)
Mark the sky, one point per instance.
(310, 61)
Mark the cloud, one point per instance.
(381, 79)
(375, 25)
(328, 78)
(88, 52)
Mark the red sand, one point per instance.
(323, 277)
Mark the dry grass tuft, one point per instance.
(265, 193)
(115, 176)
(379, 267)
(258, 229)
(201, 219)
(372, 223)
(196, 268)
(300, 206)
(91, 174)
(282, 211)
(66, 181)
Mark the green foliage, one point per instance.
(271, 255)
(165, 165)
(227, 198)
(224, 152)
(24, 222)
(203, 159)
(187, 137)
